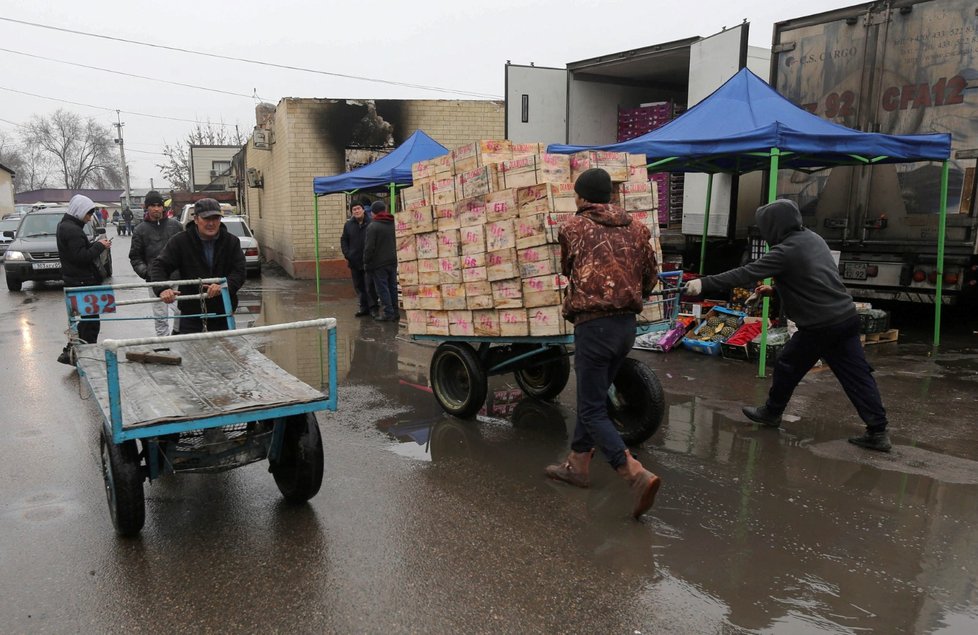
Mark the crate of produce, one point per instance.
(874, 321)
(776, 339)
(717, 326)
(736, 346)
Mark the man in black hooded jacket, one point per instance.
(813, 295)
(205, 250)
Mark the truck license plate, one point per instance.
(854, 271)
(47, 265)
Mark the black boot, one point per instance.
(879, 441)
(65, 356)
(762, 415)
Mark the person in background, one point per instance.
(126, 222)
(351, 242)
(206, 249)
(78, 262)
(148, 240)
(380, 260)
(366, 204)
(815, 298)
(610, 266)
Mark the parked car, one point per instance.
(8, 230)
(238, 226)
(32, 254)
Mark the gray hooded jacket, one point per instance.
(805, 275)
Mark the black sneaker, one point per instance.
(65, 358)
(879, 441)
(361, 313)
(762, 415)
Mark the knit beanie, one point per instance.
(594, 185)
(378, 206)
(152, 198)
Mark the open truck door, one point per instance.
(536, 104)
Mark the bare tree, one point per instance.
(176, 169)
(81, 150)
(27, 161)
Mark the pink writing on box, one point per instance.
(470, 262)
(497, 230)
(510, 318)
(525, 230)
(500, 207)
(446, 265)
(486, 320)
(424, 242)
(536, 285)
(541, 317)
(531, 255)
(495, 259)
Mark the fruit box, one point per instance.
(697, 345)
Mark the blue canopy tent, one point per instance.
(390, 172)
(745, 125)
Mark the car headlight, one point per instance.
(15, 255)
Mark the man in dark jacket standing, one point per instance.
(205, 250)
(813, 295)
(351, 242)
(78, 261)
(380, 260)
(610, 265)
(127, 216)
(148, 240)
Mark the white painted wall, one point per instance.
(6, 193)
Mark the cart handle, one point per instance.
(143, 285)
(327, 324)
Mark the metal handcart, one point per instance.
(198, 403)
(461, 367)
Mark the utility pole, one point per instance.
(122, 153)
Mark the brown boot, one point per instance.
(574, 470)
(644, 484)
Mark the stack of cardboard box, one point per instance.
(477, 236)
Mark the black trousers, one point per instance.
(839, 346)
(363, 284)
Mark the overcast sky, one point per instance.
(448, 44)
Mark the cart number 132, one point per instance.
(92, 303)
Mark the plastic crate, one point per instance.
(710, 348)
(776, 339)
(874, 321)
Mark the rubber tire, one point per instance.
(13, 284)
(545, 381)
(123, 478)
(298, 471)
(639, 403)
(458, 380)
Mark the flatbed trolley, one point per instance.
(461, 366)
(222, 406)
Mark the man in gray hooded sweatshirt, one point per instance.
(813, 295)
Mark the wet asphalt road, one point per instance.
(430, 524)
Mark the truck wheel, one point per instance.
(298, 471)
(458, 380)
(123, 477)
(545, 381)
(636, 402)
(14, 284)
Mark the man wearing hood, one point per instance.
(380, 260)
(813, 295)
(205, 250)
(148, 240)
(78, 261)
(610, 266)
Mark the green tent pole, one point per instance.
(393, 202)
(315, 205)
(941, 231)
(772, 194)
(706, 222)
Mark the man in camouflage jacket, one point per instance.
(610, 265)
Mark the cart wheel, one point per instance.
(545, 381)
(123, 476)
(636, 402)
(458, 380)
(298, 471)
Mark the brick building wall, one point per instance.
(310, 137)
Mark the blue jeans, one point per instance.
(385, 281)
(840, 348)
(600, 347)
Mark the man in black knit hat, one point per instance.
(148, 240)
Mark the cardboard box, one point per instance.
(418, 195)
(453, 297)
(634, 196)
(429, 296)
(460, 323)
(502, 264)
(545, 321)
(471, 211)
(426, 245)
(530, 231)
(513, 323)
(409, 295)
(437, 323)
(638, 174)
(448, 243)
(501, 205)
(543, 290)
(402, 224)
(507, 294)
(478, 302)
(443, 190)
(445, 216)
(407, 273)
(428, 272)
(407, 248)
(500, 235)
(417, 321)
(477, 288)
(474, 261)
(472, 240)
(475, 274)
(554, 221)
(421, 220)
(450, 270)
(538, 261)
(637, 160)
(481, 153)
(518, 173)
(477, 182)
(486, 323)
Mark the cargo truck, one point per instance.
(897, 67)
